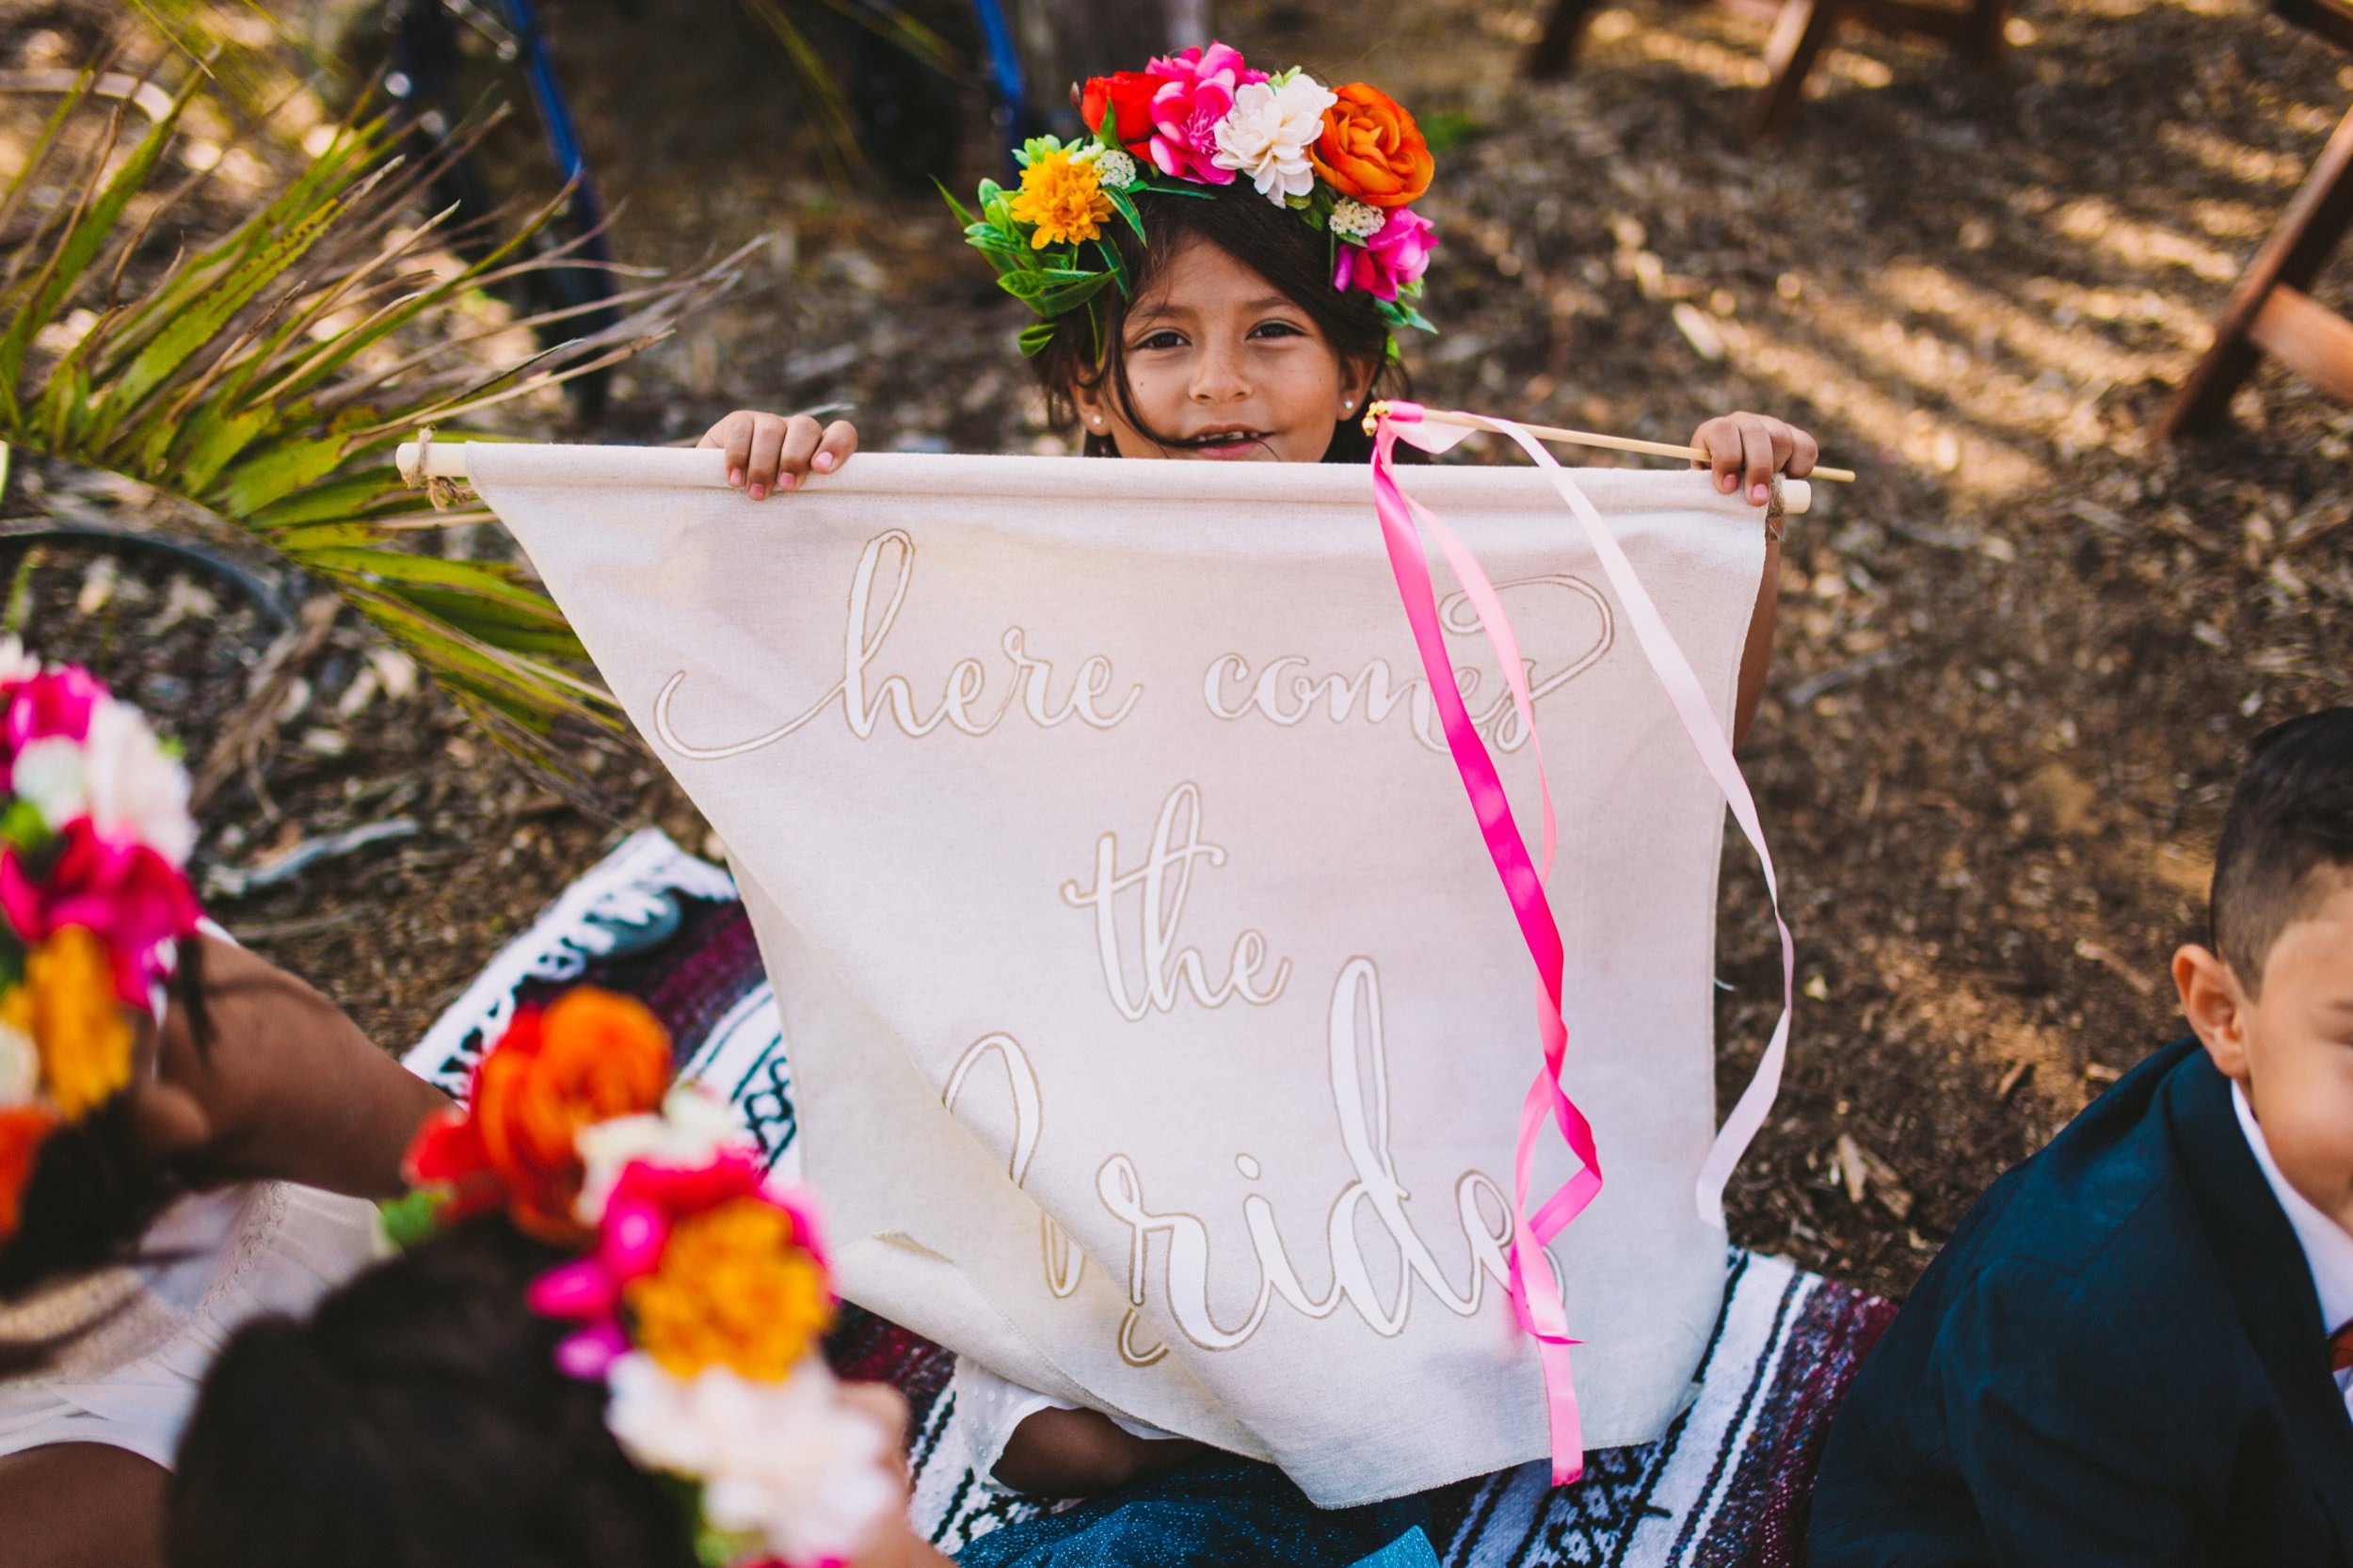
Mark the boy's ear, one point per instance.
(2215, 1006)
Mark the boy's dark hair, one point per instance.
(2290, 818)
(91, 1195)
(418, 1420)
(1274, 242)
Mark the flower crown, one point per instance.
(94, 836)
(704, 1288)
(1346, 159)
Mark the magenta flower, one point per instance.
(126, 894)
(644, 1206)
(55, 703)
(1393, 256)
(1197, 92)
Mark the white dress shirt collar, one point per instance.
(2328, 1247)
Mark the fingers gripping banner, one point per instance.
(1160, 1028)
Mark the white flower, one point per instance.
(693, 1128)
(137, 791)
(51, 775)
(789, 1462)
(20, 1066)
(15, 664)
(1113, 166)
(1357, 219)
(1267, 134)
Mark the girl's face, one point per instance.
(1222, 365)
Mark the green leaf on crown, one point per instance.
(1125, 206)
(1034, 338)
(24, 826)
(1117, 268)
(410, 1219)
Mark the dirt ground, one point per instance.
(2016, 662)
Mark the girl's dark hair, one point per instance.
(1274, 241)
(93, 1195)
(418, 1420)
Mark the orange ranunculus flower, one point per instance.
(1372, 149)
(591, 1057)
(22, 1129)
(68, 1006)
(733, 1290)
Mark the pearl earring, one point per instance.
(1347, 403)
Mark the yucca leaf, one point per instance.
(211, 377)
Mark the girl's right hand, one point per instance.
(776, 452)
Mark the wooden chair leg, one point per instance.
(1800, 32)
(2290, 258)
(1549, 58)
(1989, 17)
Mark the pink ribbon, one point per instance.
(1535, 1293)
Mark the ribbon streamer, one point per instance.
(1535, 1292)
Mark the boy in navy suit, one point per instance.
(2138, 1347)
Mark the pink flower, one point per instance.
(127, 895)
(1393, 256)
(646, 1203)
(1197, 92)
(55, 703)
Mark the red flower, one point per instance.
(132, 898)
(1126, 94)
(591, 1057)
(22, 1129)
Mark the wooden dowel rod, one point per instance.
(1607, 443)
(442, 460)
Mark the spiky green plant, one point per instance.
(265, 375)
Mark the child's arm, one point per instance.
(1745, 451)
(81, 1505)
(286, 1087)
(777, 452)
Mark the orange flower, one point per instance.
(22, 1129)
(1372, 149)
(733, 1290)
(68, 1006)
(591, 1057)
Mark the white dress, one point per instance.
(228, 1256)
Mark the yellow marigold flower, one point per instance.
(734, 1290)
(1064, 197)
(66, 1003)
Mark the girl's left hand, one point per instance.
(1745, 451)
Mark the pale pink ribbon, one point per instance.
(1536, 1295)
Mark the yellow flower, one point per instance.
(732, 1290)
(1064, 197)
(67, 1004)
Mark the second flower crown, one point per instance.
(1349, 160)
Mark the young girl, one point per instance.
(1220, 269)
(608, 1355)
(158, 1183)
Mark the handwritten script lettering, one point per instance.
(1360, 1094)
(865, 701)
(1064, 1263)
(1164, 881)
(1288, 691)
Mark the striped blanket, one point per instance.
(1726, 1487)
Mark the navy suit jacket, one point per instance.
(2118, 1359)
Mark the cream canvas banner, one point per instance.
(1159, 1023)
